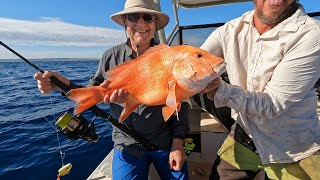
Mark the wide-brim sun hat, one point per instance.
(141, 6)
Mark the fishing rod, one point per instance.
(73, 126)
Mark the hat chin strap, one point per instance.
(156, 21)
(135, 47)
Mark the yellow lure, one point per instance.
(64, 169)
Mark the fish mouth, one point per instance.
(220, 68)
(194, 84)
(217, 70)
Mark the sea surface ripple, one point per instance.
(29, 147)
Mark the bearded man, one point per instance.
(273, 63)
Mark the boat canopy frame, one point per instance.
(177, 4)
(205, 3)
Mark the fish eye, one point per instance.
(199, 55)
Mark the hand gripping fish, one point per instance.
(163, 75)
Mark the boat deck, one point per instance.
(212, 134)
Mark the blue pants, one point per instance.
(136, 166)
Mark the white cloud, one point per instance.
(51, 37)
(52, 31)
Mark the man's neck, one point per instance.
(260, 26)
(138, 50)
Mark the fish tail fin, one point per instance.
(86, 97)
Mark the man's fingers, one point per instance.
(44, 87)
(177, 166)
(117, 96)
(44, 82)
(213, 86)
(45, 91)
(105, 84)
(106, 99)
(37, 76)
(171, 162)
(48, 74)
(125, 94)
(114, 96)
(120, 93)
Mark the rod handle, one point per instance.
(60, 84)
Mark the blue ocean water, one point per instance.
(29, 147)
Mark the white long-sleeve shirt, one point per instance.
(272, 77)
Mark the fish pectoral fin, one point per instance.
(86, 97)
(167, 112)
(129, 106)
(177, 110)
(171, 100)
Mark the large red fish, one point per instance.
(162, 75)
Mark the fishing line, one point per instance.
(75, 132)
(62, 154)
(73, 127)
(14, 83)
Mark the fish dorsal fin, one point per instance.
(154, 49)
(171, 100)
(124, 66)
(159, 47)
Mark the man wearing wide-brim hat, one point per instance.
(131, 160)
(134, 8)
(141, 6)
(141, 19)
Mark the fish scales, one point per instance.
(163, 75)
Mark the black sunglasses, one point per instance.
(134, 17)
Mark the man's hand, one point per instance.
(212, 88)
(177, 155)
(118, 96)
(44, 82)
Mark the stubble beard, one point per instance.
(276, 17)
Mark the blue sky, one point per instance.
(83, 29)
